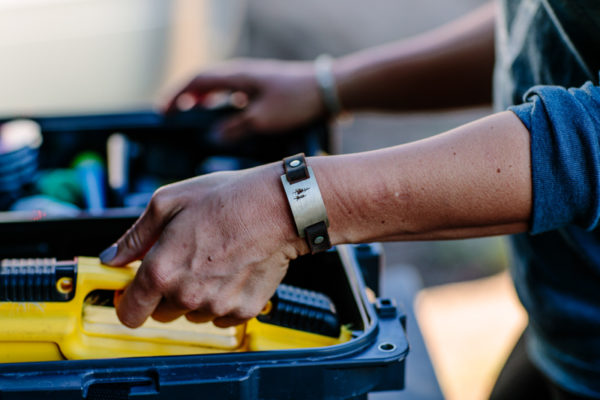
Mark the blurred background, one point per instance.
(75, 56)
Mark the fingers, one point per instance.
(199, 316)
(167, 311)
(141, 298)
(226, 322)
(143, 234)
(157, 292)
(252, 120)
(200, 255)
(199, 87)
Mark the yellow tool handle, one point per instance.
(92, 275)
(52, 319)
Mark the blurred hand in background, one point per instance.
(274, 95)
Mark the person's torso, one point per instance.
(557, 274)
(545, 42)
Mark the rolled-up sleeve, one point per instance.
(565, 155)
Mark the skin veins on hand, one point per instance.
(213, 248)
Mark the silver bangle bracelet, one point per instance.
(326, 82)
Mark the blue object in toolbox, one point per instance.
(373, 360)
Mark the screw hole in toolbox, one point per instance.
(387, 347)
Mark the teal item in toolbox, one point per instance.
(61, 184)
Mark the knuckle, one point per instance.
(219, 308)
(188, 303)
(158, 279)
(189, 297)
(132, 240)
(159, 202)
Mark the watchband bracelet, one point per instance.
(326, 82)
(306, 203)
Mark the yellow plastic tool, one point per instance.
(79, 328)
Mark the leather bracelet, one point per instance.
(306, 203)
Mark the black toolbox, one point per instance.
(169, 148)
(372, 360)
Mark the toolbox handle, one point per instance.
(120, 387)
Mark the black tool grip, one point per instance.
(37, 280)
(302, 309)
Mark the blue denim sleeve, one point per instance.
(565, 155)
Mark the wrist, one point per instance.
(338, 198)
(346, 73)
(326, 170)
(306, 203)
(355, 194)
(326, 83)
(279, 213)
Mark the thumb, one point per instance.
(138, 239)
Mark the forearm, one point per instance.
(472, 181)
(448, 67)
(215, 247)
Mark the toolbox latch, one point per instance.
(386, 308)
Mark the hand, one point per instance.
(213, 247)
(281, 95)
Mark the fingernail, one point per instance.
(107, 255)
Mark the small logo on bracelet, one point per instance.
(299, 193)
